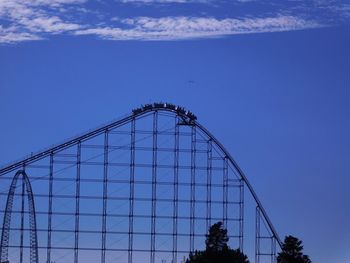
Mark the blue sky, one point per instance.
(269, 78)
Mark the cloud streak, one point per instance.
(164, 1)
(12, 34)
(179, 28)
(29, 20)
(47, 25)
(156, 1)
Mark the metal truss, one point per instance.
(5, 236)
(265, 247)
(143, 188)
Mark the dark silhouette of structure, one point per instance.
(217, 250)
(216, 239)
(292, 251)
(145, 186)
(7, 220)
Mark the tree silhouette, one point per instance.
(292, 251)
(216, 239)
(217, 250)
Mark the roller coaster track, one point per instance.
(183, 118)
(7, 220)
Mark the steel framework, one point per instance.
(143, 188)
(7, 220)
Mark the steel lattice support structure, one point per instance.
(143, 188)
(5, 236)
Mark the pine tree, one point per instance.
(292, 251)
(216, 239)
(217, 250)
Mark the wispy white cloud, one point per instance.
(12, 34)
(29, 18)
(20, 5)
(38, 19)
(174, 28)
(332, 9)
(163, 1)
(55, 2)
(342, 10)
(51, 24)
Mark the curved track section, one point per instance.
(144, 188)
(5, 236)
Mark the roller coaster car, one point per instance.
(181, 110)
(191, 116)
(160, 105)
(137, 111)
(147, 107)
(170, 106)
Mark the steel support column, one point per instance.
(225, 191)
(77, 205)
(241, 214)
(193, 186)
(105, 191)
(176, 190)
(131, 191)
(49, 216)
(22, 221)
(209, 182)
(154, 186)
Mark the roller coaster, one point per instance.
(144, 188)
